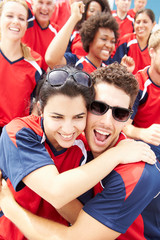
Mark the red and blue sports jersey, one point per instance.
(18, 81)
(25, 148)
(82, 63)
(75, 45)
(147, 105)
(62, 12)
(128, 45)
(127, 201)
(38, 38)
(125, 25)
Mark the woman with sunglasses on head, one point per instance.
(55, 130)
(43, 146)
(20, 66)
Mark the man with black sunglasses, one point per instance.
(126, 202)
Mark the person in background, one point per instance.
(99, 34)
(135, 44)
(61, 13)
(41, 31)
(92, 7)
(145, 122)
(124, 20)
(138, 5)
(121, 15)
(128, 205)
(21, 67)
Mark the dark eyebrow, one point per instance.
(81, 114)
(57, 114)
(61, 115)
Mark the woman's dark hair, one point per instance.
(92, 24)
(149, 13)
(70, 88)
(104, 5)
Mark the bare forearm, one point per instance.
(132, 132)
(71, 210)
(75, 182)
(32, 226)
(55, 52)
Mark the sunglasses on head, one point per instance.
(118, 113)
(58, 77)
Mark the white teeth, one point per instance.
(103, 133)
(106, 51)
(67, 136)
(141, 30)
(44, 14)
(14, 29)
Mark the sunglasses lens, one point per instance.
(98, 108)
(83, 79)
(121, 114)
(57, 78)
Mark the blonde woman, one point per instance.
(20, 67)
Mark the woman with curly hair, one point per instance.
(99, 34)
(92, 7)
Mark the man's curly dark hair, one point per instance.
(118, 76)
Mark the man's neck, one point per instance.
(154, 75)
(112, 144)
(121, 14)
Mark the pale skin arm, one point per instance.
(37, 228)
(149, 135)
(71, 210)
(60, 189)
(128, 62)
(55, 51)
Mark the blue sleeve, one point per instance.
(71, 58)
(69, 46)
(136, 104)
(85, 197)
(120, 52)
(23, 156)
(113, 209)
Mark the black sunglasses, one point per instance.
(118, 113)
(58, 77)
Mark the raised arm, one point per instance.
(55, 51)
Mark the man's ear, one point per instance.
(151, 52)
